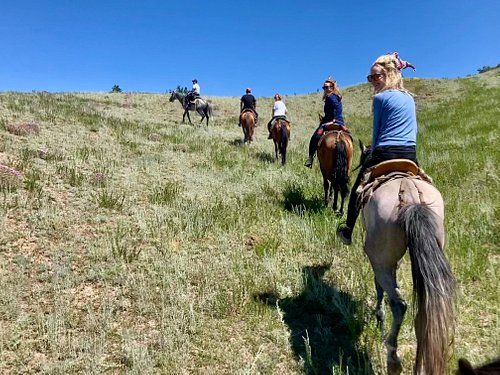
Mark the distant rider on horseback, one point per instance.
(248, 103)
(333, 115)
(194, 93)
(279, 112)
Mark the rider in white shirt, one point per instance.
(196, 88)
(195, 91)
(279, 111)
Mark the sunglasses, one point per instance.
(327, 87)
(374, 77)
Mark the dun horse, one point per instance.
(201, 106)
(335, 160)
(281, 134)
(407, 212)
(248, 126)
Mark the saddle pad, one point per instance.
(333, 127)
(339, 132)
(394, 165)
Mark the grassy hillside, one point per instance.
(131, 243)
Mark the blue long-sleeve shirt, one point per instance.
(394, 119)
(333, 109)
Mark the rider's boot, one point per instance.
(313, 145)
(309, 162)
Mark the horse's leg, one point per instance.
(379, 309)
(189, 117)
(276, 150)
(342, 200)
(386, 278)
(335, 198)
(326, 189)
(201, 113)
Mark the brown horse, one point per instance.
(335, 153)
(248, 126)
(407, 212)
(281, 134)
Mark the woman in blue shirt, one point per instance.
(333, 115)
(394, 132)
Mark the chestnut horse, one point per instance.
(407, 212)
(335, 152)
(248, 126)
(281, 134)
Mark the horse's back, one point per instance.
(327, 152)
(248, 117)
(381, 213)
(277, 127)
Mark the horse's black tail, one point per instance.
(283, 142)
(433, 288)
(340, 171)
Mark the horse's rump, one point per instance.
(278, 123)
(247, 115)
(376, 176)
(328, 151)
(248, 110)
(382, 207)
(334, 136)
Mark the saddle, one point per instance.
(195, 100)
(374, 177)
(279, 118)
(248, 110)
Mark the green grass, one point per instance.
(136, 244)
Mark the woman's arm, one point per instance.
(377, 119)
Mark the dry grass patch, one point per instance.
(23, 128)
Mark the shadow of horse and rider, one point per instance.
(324, 325)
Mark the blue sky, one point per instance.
(271, 46)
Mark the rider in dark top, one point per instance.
(248, 102)
(333, 115)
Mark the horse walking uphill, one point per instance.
(335, 152)
(403, 210)
(281, 135)
(248, 126)
(201, 106)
